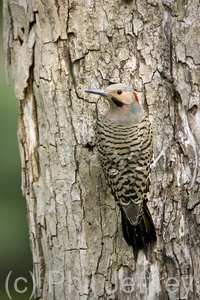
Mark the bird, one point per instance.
(124, 142)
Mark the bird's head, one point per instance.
(123, 102)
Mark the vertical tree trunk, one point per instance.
(56, 50)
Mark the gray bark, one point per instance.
(56, 50)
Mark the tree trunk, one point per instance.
(56, 50)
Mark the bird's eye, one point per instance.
(119, 92)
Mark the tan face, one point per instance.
(117, 95)
(122, 93)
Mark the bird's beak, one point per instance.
(98, 92)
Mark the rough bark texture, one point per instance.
(56, 50)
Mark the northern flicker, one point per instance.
(124, 141)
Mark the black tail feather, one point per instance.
(140, 236)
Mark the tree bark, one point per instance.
(56, 50)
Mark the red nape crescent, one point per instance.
(136, 97)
